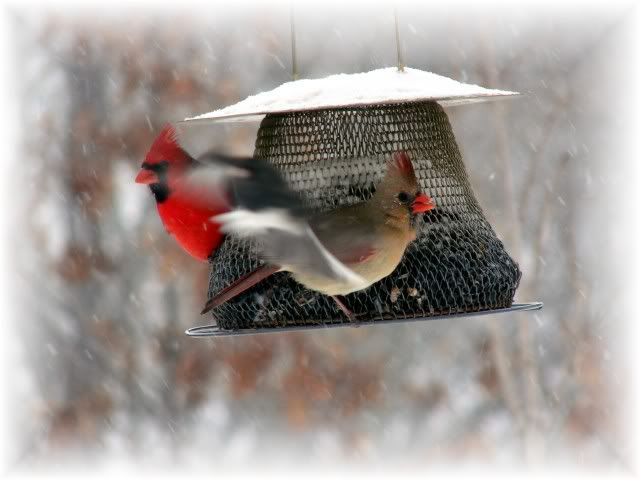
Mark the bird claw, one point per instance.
(348, 313)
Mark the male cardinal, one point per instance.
(184, 214)
(335, 253)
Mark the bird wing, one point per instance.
(348, 233)
(263, 207)
(206, 186)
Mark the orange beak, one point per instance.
(146, 177)
(423, 203)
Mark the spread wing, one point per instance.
(263, 207)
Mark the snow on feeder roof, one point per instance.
(382, 86)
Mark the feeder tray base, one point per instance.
(216, 331)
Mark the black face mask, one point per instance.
(160, 189)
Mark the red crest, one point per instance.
(402, 162)
(165, 146)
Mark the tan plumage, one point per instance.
(369, 238)
(381, 228)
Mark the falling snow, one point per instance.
(103, 294)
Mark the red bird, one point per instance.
(335, 253)
(185, 214)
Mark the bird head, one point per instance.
(399, 191)
(164, 162)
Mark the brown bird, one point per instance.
(336, 252)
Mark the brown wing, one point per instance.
(348, 233)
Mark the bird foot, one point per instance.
(349, 314)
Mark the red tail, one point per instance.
(239, 286)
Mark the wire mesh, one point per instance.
(336, 157)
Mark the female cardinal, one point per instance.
(367, 239)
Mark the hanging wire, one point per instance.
(398, 47)
(294, 60)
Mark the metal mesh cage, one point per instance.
(336, 157)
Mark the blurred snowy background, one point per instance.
(104, 295)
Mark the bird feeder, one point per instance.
(330, 138)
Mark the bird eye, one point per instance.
(403, 197)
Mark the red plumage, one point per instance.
(166, 147)
(191, 225)
(185, 215)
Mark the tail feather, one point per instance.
(239, 286)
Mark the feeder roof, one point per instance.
(383, 86)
